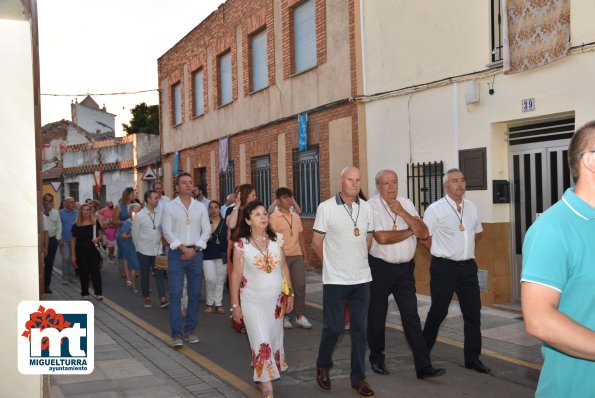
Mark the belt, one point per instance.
(188, 246)
(457, 262)
(388, 262)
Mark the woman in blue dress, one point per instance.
(127, 245)
(120, 215)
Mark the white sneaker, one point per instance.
(177, 342)
(192, 338)
(302, 322)
(99, 297)
(287, 323)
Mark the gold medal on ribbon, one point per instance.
(394, 227)
(187, 221)
(461, 228)
(356, 231)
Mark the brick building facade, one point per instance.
(262, 122)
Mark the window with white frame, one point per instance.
(304, 36)
(177, 103)
(225, 87)
(260, 66)
(199, 93)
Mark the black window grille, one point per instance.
(261, 178)
(496, 24)
(306, 179)
(226, 182)
(424, 184)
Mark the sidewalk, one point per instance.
(503, 332)
(130, 362)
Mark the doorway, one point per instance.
(538, 163)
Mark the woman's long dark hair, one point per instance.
(243, 230)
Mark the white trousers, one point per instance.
(215, 274)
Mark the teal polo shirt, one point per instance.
(559, 252)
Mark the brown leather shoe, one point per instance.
(323, 379)
(363, 388)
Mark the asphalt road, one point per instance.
(230, 350)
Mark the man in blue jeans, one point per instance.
(67, 218)
(186, 227)
(342, 237)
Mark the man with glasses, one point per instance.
(54, 234)
(558, 276)
(68, 218)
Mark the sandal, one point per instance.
(220, 309)
(128, 283)
(209, 309)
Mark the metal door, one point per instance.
(540, 175)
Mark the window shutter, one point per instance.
(199, 97)
(305, 36)
(260, 69)
(177, 94)
(225, 78)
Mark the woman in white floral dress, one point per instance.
(257, 278)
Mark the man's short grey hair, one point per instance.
(384, 171)
(449, 171)
(231, 195)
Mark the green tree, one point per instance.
(145, 119)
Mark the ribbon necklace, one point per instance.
(461, 226)
(394, 220)
(355, 229)
(152, 218)
(290, 223)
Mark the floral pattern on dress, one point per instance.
(281, 306)
(266, 264)
(262, 358)
(243, 284)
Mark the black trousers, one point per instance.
(398, 280)
(48, 262)
(460, 277)
(88, 266)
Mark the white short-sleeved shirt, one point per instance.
(400, 252)
(345, 256)
(443, 223)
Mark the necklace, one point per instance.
(187, 211)
(218, 231)
(289, 222)
(355, 229)
(152, 218)
(266, 263)
(394, 220)
(461, 226)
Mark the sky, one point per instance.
(108, 46)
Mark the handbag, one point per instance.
(100, 249)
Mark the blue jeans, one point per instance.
(333, 301)
(147, 263)
(176, 270)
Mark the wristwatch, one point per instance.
(196, 249)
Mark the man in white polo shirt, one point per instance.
(342, 237)
(391, 260)
(454, 226)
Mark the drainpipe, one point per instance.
(455, 123)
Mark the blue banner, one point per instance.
(176, 163)
(302, 132)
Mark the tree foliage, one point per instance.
(145, 119)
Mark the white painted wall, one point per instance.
(19, 249)
(434, 124)
(115, 182)
(88, 119)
